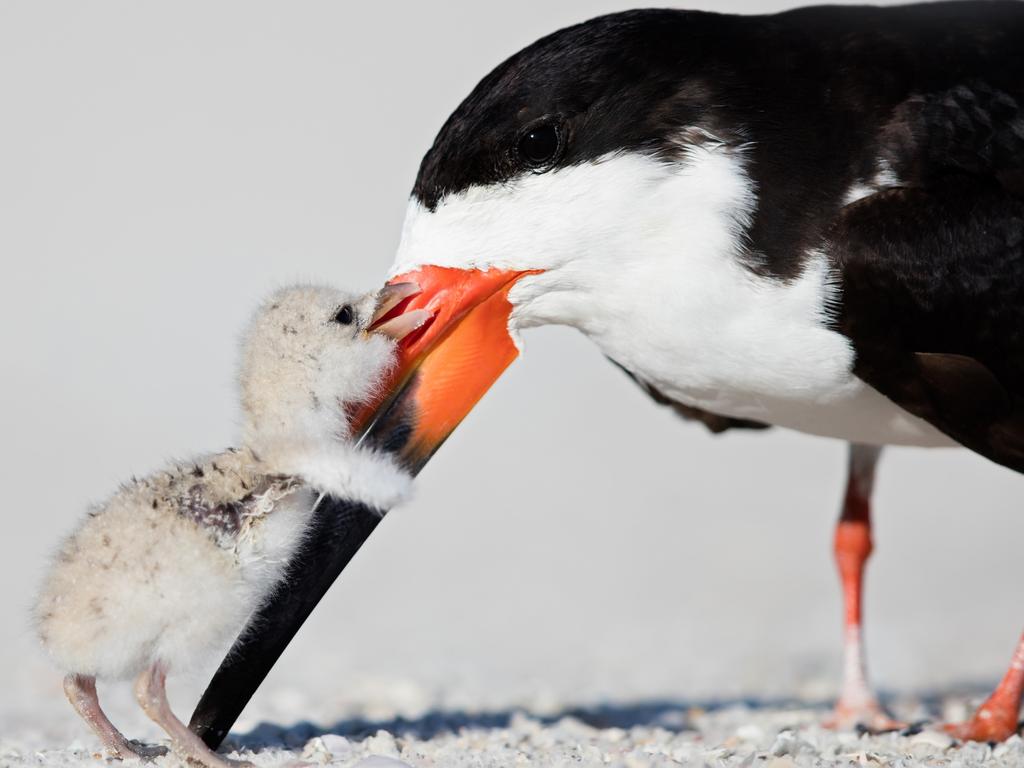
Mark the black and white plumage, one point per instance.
(813, 219)
(731, 178)
(172, 565)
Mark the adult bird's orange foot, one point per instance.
(996, 719)
(868, 714)
(986, 725)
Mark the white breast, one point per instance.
(644, 256)
(731, 343)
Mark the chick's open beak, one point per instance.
(455, 344)
(401, 325)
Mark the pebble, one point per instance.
(750, 732)
(933, 738)
(380, 761)
(383, 743)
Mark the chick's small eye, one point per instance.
(345, 315)
(539, 145)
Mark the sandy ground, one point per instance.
(406, 726)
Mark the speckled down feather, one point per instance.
(170, 566)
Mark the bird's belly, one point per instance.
(711, 335)
(809, 387)
(859, 414)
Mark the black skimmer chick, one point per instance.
(813, 219)
(172, 565)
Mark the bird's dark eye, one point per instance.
(345, 315)
(539, 145)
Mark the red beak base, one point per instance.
(459, 348)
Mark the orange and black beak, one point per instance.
(452, 330)
(459, 347)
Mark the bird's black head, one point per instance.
(628, 81)
(587, 175)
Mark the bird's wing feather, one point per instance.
(933, 301)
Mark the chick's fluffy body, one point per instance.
(171, 566)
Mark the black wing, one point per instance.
(933, 272)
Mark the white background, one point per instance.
(162, 166)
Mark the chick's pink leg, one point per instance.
(857, 704)
(81, 692)
(151, 693)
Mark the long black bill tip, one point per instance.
(338, 530)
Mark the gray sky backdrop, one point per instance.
(162, 166)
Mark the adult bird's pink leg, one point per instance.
(857, 704)
(996, 719)
(81, 692)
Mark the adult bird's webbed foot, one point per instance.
(988, 724)
(860, 713)
(996, 719)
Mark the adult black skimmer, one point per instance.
(813, 219)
